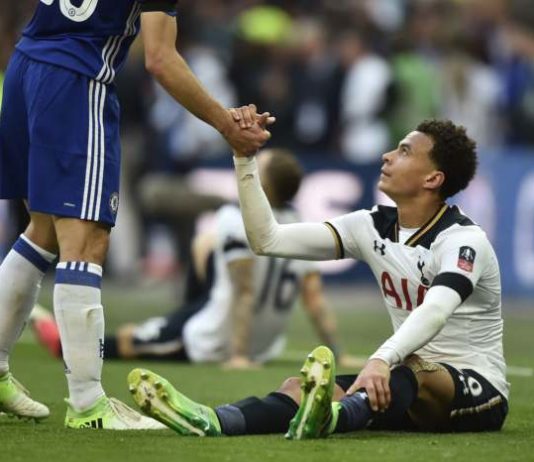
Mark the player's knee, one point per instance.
(291, 387)
(432, 378)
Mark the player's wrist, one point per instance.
(223, 122)
(244, 162)
(383, 358)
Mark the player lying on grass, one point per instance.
(237, 305)
(442, 369)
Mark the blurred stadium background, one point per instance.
(346, 80)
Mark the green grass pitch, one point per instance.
(361, 330)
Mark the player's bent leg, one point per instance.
(21, 274)
(431, 409)
(160, 400)
(314, 418)
(456, 400)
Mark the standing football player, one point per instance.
(443, 369)
(60, 152)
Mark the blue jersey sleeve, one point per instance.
(166, 6)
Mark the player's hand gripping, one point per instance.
(374, 378)
(250, 130)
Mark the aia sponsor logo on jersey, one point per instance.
(466, 258)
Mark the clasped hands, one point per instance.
(248, 131)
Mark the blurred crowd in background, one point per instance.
(345, 78)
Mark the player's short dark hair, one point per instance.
(284, 174)
(454, 153)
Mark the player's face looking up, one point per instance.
(408, 170)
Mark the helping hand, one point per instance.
(248, 133)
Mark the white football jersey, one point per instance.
(207, 335)
(449, 245)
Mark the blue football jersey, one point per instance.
(91, 37)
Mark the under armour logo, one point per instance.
(380, 248)
(420, 266)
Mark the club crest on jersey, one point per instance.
(420, 267)
(114, 202)
(466, 258)
(380, 248)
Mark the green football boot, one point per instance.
(159, 399)
(109, 414)
(15, 400)
(317, 415)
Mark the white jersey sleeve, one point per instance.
(462, 255)
(350, 230)
(306, 241)
(231, 235)
(421, 325)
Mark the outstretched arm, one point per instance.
(162, 60)
(242, 307)
(306, 241)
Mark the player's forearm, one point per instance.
(173, 73)
(324, 323)
(163, 61)
(242, 310)
(307, 241)
(421, 326)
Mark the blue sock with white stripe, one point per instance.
(21, 274)
(80, 318)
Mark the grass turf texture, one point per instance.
(360, 331)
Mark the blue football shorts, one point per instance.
(59, 141)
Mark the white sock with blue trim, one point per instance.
(21, 274)
(80, 318)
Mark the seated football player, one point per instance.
(237, 304)
(442, 369)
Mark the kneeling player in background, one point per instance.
(442, 370)
(237, 305)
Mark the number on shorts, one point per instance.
(474, 386)
(75, 13)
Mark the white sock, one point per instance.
(80, 318)
(21, 274)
